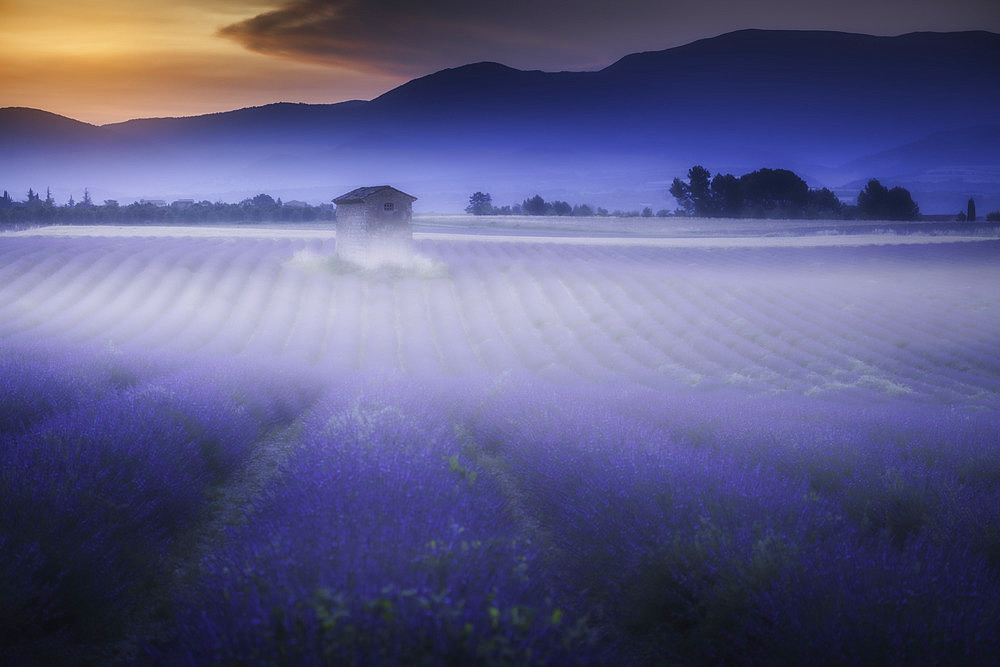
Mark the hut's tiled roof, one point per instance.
(361, 194)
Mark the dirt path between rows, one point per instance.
(228, 506)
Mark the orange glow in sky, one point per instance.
(106, 61)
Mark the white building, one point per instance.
(375, 226)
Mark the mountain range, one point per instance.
(920, 110)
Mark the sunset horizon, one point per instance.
(528, 333)
(114, 61)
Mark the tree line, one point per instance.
(780, 193)
(764, 193)
(481, 203)
(260, 208)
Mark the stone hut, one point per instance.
(374, 226)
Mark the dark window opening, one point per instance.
(388, 206)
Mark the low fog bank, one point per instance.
(593, 230)
(222, 446)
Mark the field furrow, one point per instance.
(912, 320)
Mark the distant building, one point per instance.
(375, 226)
(182, 203)
(294, 203)
(154, 202)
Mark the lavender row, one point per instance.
(387, 541)
(39, 378)
(514, 519)
(709, 529)
(102, 476)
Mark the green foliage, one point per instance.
(688, 594)
(727, 197)
(764, 193)
(433, 622)
(891, 507)
(260, 208)
(774, 193)
(561, 208)
(422, 627)
(876, 202)
(462, 471)
(695, 196)
(823, 203)
(263, 200)
(480, 203)
(534, 206)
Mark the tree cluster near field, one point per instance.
(764, 193)
(260, 208)
(780, 193)
(878, 202)
(969, 214)
(481, 203)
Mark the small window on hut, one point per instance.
(387, 206)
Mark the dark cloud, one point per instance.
(405, 37)
(400, 36)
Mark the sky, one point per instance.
(103, 61)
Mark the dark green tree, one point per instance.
(480, 203)
(695, 196)
(876, 202)
(534, 206)
(774, 193)
(727, 197)
(823, 203)
(561, 208)
(971, 210)
(900, 205)
(871, 200)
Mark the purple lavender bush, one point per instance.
(709, 540)
(512, 521)
(96, 493)
(38, 379)
(385, 541)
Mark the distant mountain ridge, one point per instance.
(969, 146)
(818, 102)
(25, 126)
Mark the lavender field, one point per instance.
(222, 446)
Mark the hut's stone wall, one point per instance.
(377, 229)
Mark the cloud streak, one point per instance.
(402, 37)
